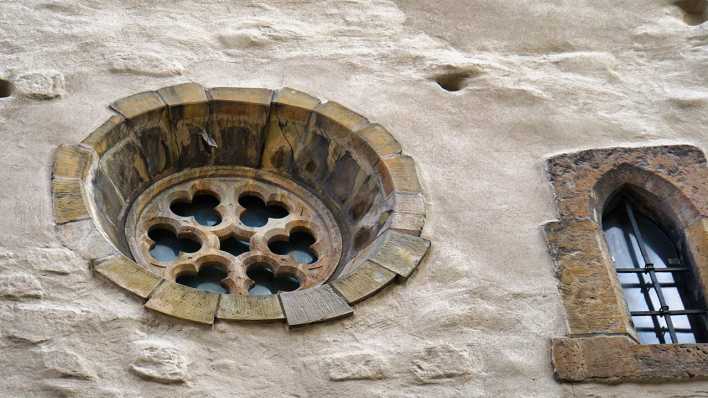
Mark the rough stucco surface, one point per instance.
(475, 320)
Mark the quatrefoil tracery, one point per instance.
(202, 208)
(298, 245)
(235, 223)
(257, 212)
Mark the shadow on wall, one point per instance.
(6, 88)
(695, 11)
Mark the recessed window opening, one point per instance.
(202, 208)
(168, 246)
(265, 282)
(257, 213)
(6, 88)
(234, 245)
(659, 285)
(209, 278)
(297, 246)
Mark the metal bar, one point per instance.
(645, 292)
(651, 269)
(652, 275)
(648, 286)
(668, 313)
(678, 330)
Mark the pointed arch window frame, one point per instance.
(602, 344)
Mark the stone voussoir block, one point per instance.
(409, 203)
(290, 114)
(408, 214)
(366, 279)
(399, 252)
(149, 121)
(138, 104)
(68, 201)
(249, 308)
(238, 122)
(125, 273)
(235, 98)
(183, 94)
(127, 168)
(189, 110)
(337, 120)
(296, 103)
(399, 175)
(71, 161)
(381, 140)
(107, 135)
(323, 154)
(184, 302)
(407, 223)
(313, 305)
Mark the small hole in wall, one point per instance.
(454, 81)
(6, 88)
(208, 278)
(695, 11)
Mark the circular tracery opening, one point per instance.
(266, 282)
(202, 208)
(234, 246)
(242, 220)
(257, 213)
(297, 246)
(167, 246)
(210, 278)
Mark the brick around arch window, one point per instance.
(602, 344)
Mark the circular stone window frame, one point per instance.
(391, 254)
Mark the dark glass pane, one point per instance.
(208, 279)
(235, 246)
(265, 282)
(297, 246)
(201, 208)
(167, 245)
(256, 212)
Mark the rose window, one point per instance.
(241, 204)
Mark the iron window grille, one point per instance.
(657, 280)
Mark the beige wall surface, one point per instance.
(475, 320)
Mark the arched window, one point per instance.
(659, 285)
